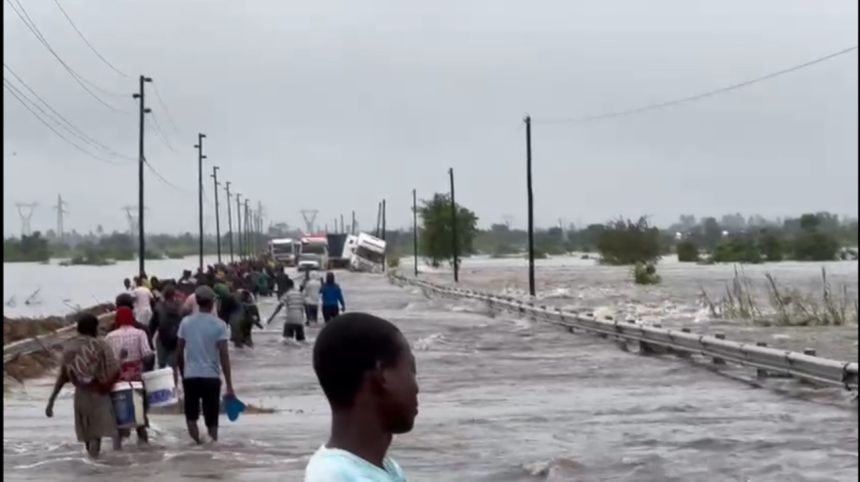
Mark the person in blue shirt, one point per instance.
(332, 298)
(202, 357)
(367, 372)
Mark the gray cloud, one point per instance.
(335, 105)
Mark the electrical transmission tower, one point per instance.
(132, 219)
(310, 216)
(61, 210)
(25, 211)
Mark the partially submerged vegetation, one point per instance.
(784, 306)
(37, 364)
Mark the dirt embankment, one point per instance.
(38, 364)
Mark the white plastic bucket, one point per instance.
(160, 388)
(127, 398)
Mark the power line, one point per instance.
(162, 178)
(80, 34)
(15, 93)
(703, 95)
(166, 110)
(68, 125)
(82, 81)
(161, 134)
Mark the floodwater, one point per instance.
(57, 290)
(502, 399)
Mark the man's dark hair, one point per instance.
(125, 299)
(349, 346)
(169, 292)
(206, 305)
(88, 325)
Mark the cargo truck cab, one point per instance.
(313, 253)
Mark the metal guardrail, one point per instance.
(681, 342)
(46, 341)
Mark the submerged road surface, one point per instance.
(501, 400)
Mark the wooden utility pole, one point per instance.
(141, 248)
(229, 219)
(384, 259)
(200, 158)
(248, 247)
(217, 214)
(454, 229)
(239, 226)
(415, 229)
(528, 122)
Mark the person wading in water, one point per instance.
(165, 327)
(201, 356)
(332, 298)
(294, 303)
(311, 288)
(130, 345)
(90, 365)
(367, 372)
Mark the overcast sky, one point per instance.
(334, 105)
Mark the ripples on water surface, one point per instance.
(501, 400)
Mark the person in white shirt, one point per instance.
(311, 288)
(142, 302)
(367, 372)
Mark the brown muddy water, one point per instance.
(502, 399)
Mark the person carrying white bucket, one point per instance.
(202, 354)
(131, 347)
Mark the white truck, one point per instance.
(283, 250)
(313, 253)
(369, 254)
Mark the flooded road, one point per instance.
(502, 399)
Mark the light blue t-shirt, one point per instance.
(336, 465)
(202, 332)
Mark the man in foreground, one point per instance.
(367, 371)
(201, 356)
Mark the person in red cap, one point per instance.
(131, 347)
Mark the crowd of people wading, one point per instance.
(183, 325)
(181, 329)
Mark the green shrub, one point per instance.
(625, 242)
(737, 250)
(687, 251)
(814, 246)
(771, 246)
(645, 274)
(393, 261)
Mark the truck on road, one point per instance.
(313, 253)
(284, 250)
(340, 248)
(369, 254)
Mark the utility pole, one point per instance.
(383, 236)
(239, 224)
(141, 242)
(415, 229)
(531, 227)
(229, 220)
(61, 210)
(342, 227)
(454, 228)
(260, 244)
(248, 247)
(352, 226)
(378, 219)
(217, 215)
(200, 157)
